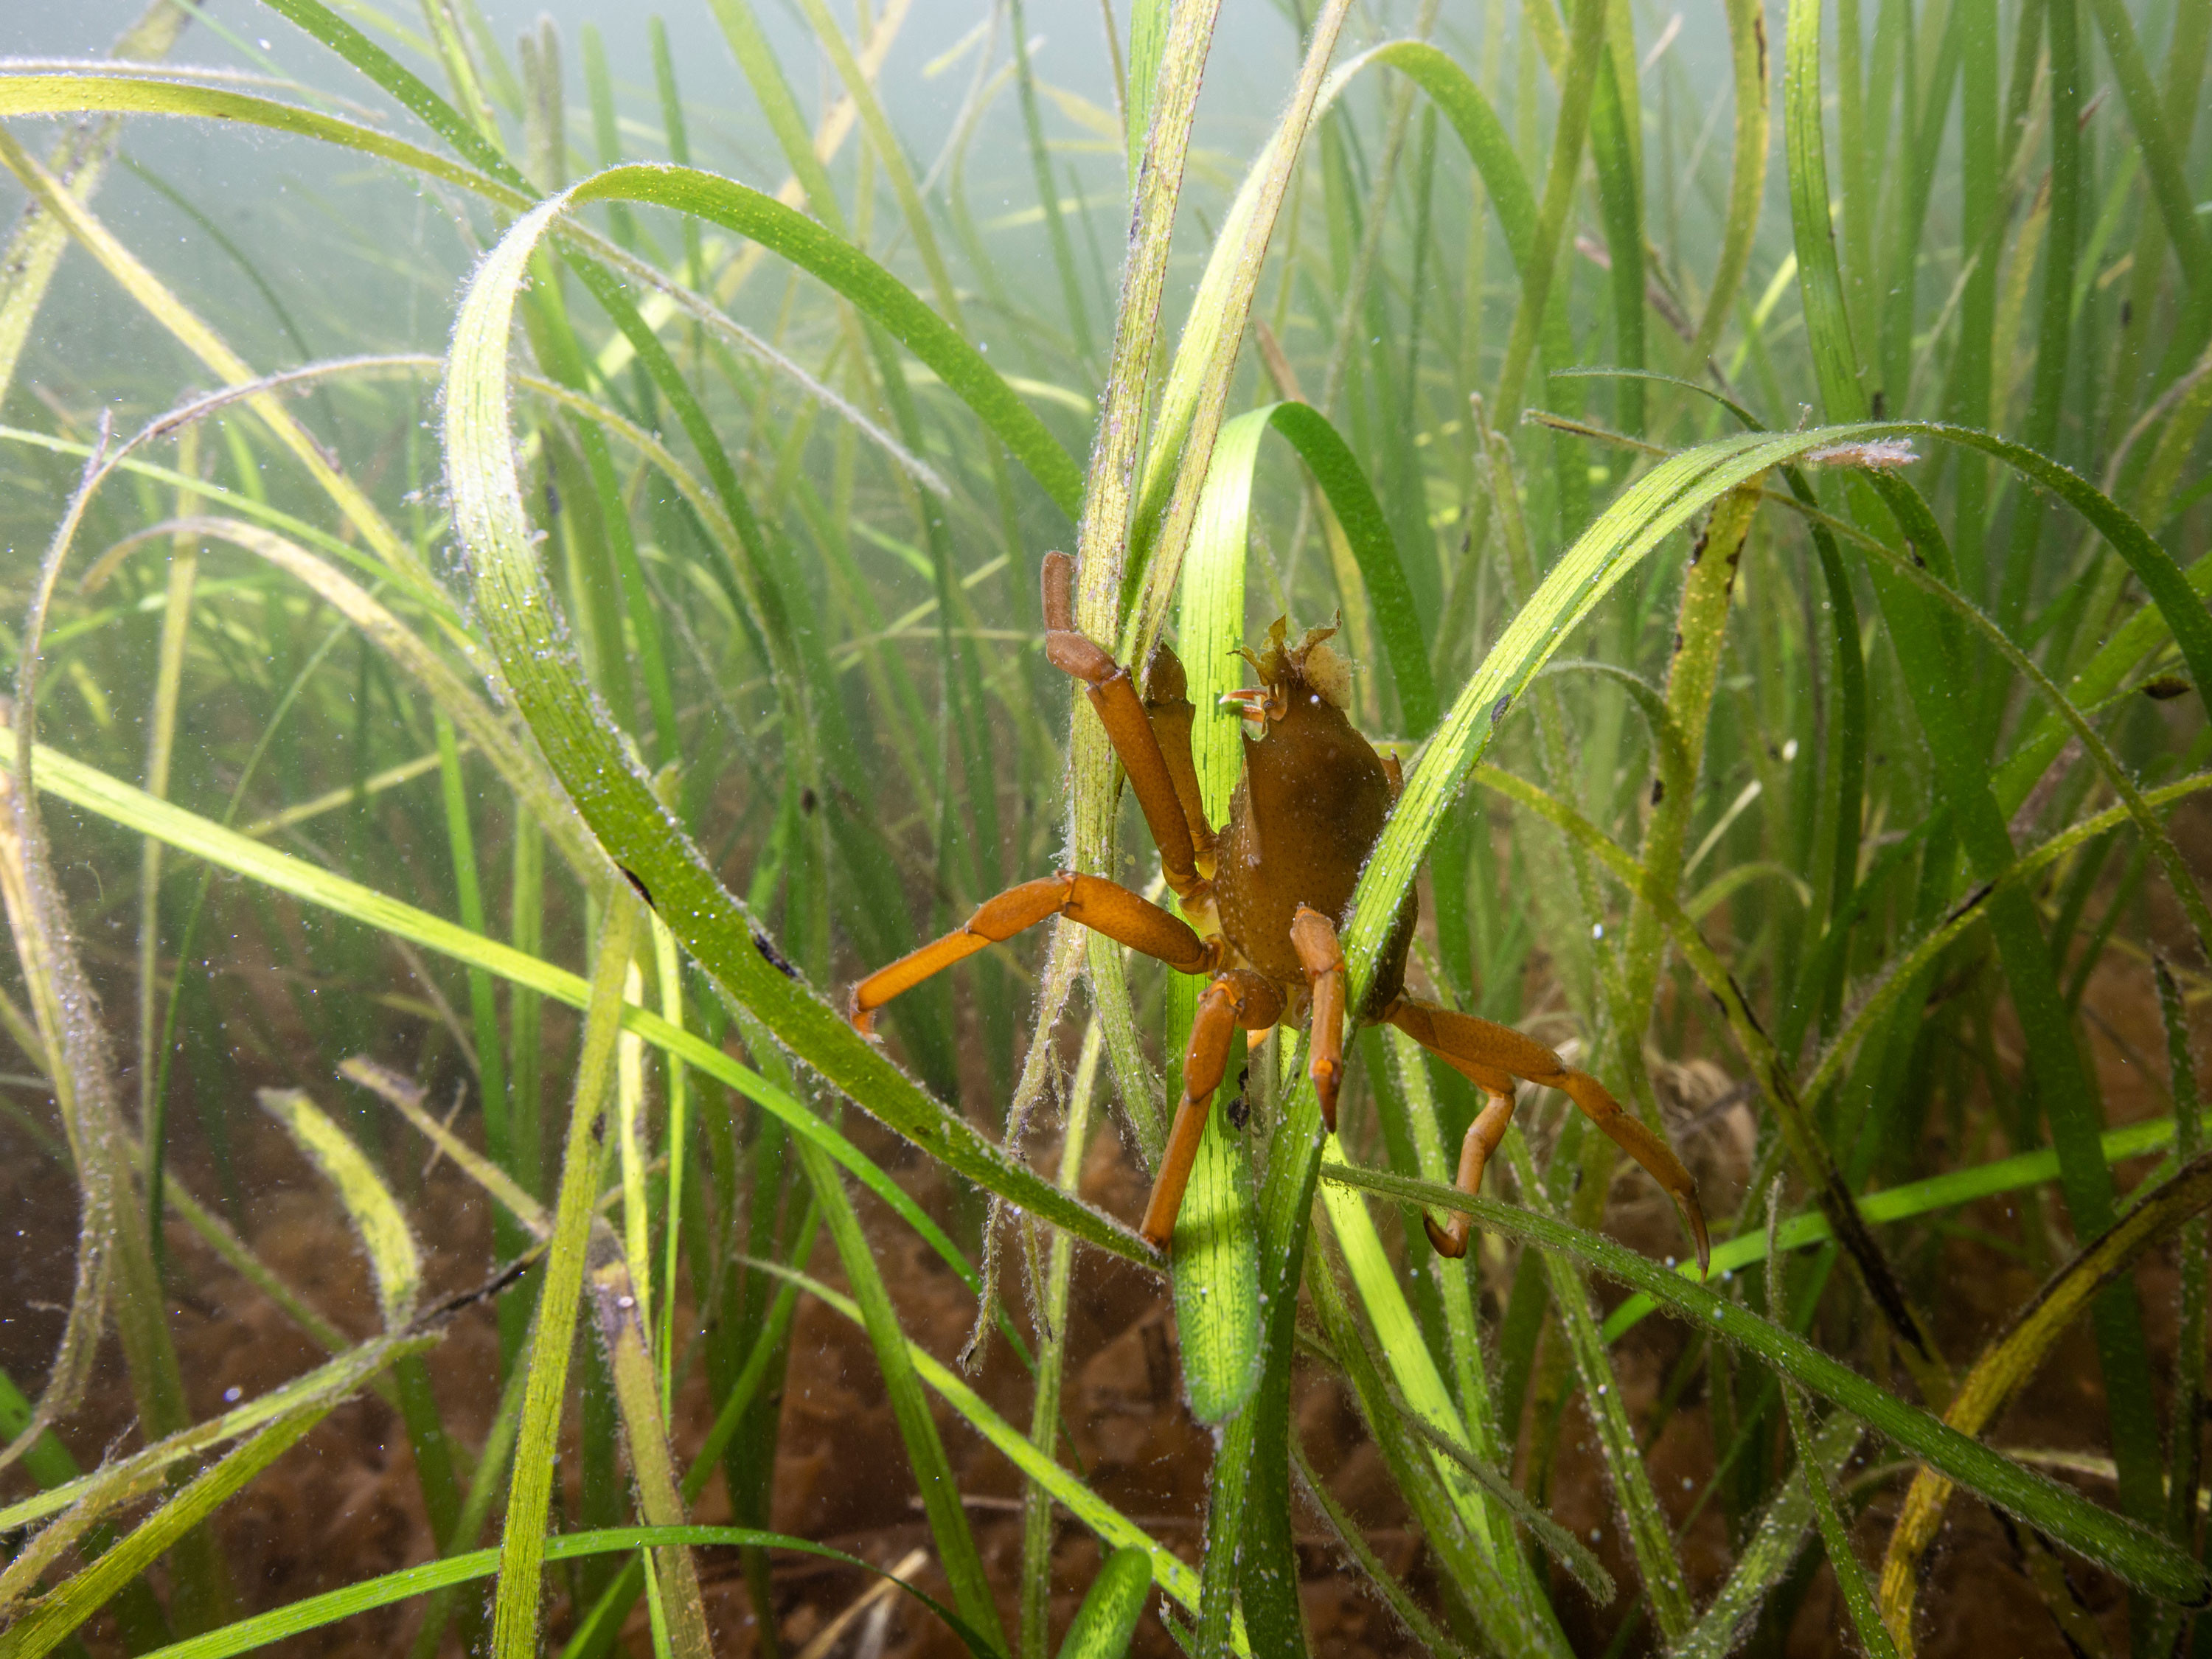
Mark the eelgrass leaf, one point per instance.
(1836, 359)
(1471, 1396)
(483, 1006)
(1101, 531)
(161, 741)
(932, 1472)
(618, 1307)
(522, 1539)
(48, 1462)
(1107, 1620)
(1752, 79)
(1048, 191)
(1194, 396)
(597, 1626)
(393, 1257)
(615, 797)
(1562, 1546)
(2067, 1090)
(1615, 159)
(1516, 1623)
(197, 336)
(2186, 1413)
(2154, 834)
(1112, 1527)
(449, 692)
(1033, 444)
(1214, 1264)
(333, 1380)
(668, 969)
(2008, 1363)
(2143, 632)
(482, 150)
(93, 791)
(1046, 1418)
(2171, 591)
(234, 502)
(57, 1615)
(34, 247)
(1925, 120)
(1417, 1380)
(1216, 1252)
(2163, 158)
(890, 155)
(469, 91)
(771, 90)
(1873, 1637)
(2143, 1558)
(1772, 1550)
(1418, 1624)
(882, 296)
(486, 1482)
(1650, 1536)
(114, 1251)
(1585, 49)
(1259, 1438)
(1692, 670)
(1490, 148)
(313, 1613)
(1148, 37)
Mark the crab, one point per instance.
(1262, 902)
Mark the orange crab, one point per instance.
(1264, 900)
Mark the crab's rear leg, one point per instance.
(1238, 1000)
(1107, 907)
(1313, 935)
(1482, 1050)
(1166, 794)
(1475, 1149)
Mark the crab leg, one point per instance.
(1168, 706)
(1239, 998)
(1313, 935)
(1474, 1150)
(1481, 1049)
(1128, 727)
(1097, 902)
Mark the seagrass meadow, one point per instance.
(524, 579)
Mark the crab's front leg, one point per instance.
(1239, 999)
(1107, 907)
(1166, 791)
(1314, 937)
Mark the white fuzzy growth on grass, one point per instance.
(1875, 454)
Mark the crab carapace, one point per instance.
(1262, 902)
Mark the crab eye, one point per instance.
(1250, 705)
